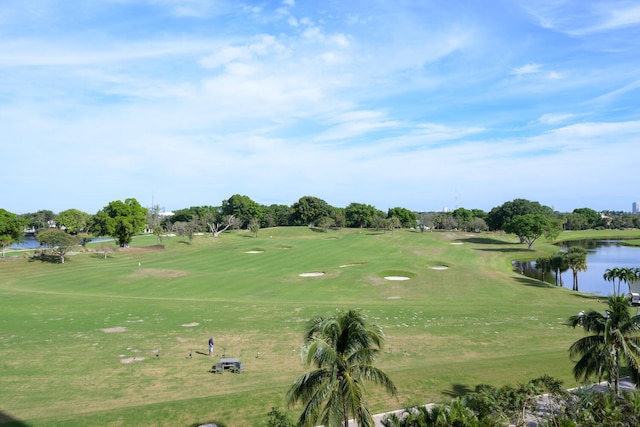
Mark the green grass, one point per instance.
(447, 329)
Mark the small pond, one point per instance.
(601, 255)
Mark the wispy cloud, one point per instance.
(383, 103)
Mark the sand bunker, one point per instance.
(191, 325)
(456, 243)
(115, 330)
(318, 273)
(393, 297)
(132, 359)
(396, 278)
(439, 267)
(254, 252)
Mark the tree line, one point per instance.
(529, 220)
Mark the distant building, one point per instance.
(635, 207)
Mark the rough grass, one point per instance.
(65, 329)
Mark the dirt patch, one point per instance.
(115, 330)
(352, 264)
(132, 359)
(191, 325)
(158, 272)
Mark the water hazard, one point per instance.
(601, 255)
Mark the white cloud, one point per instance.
(527, 69)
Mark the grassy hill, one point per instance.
(106, 341)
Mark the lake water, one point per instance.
(601, 255)
(31, 243)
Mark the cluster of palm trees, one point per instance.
(342, 348)
(621, 274)
(575, 259)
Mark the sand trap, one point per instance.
(351, 264)
(393, 297)
(396, 278)
(439, 267)
(311, 274)
(191, 325)
(254, 252)
(115, 330)
(132, 359)
(457, 243)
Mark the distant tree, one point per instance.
(154, 221)
(307, 210)
(591, 217)
(340, 217)
(379, 222)
(501, 215)
(342, 350)
(622, 274)
(530, 227)
(325, 223)
(406, 217)
(254, 226)
(478, 224)
(11, 229)
(359, 215)
(217, 227)
(276, 215)
(242, 208)
(576, 259)
(463, 217)
(58, 241)
(393, 223)
(44, 218)
(425, 221)
(72, 220)
(120, 220)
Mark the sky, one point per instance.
(424, 104)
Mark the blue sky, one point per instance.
(419, 104)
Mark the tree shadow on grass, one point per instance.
(505, 250)
(486, 241)
(458, 390)
(527, 281)
(209, 423)
(7, 420)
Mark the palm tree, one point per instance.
(610, 275)
(628, 275)
(342, 348)
(543, 264)
(576, 258)
(615, 341)
(558, 265)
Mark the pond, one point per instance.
(601, 255)
(30, 242)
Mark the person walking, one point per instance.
(211, 346)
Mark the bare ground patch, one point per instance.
(131, 360)
(114, 330)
